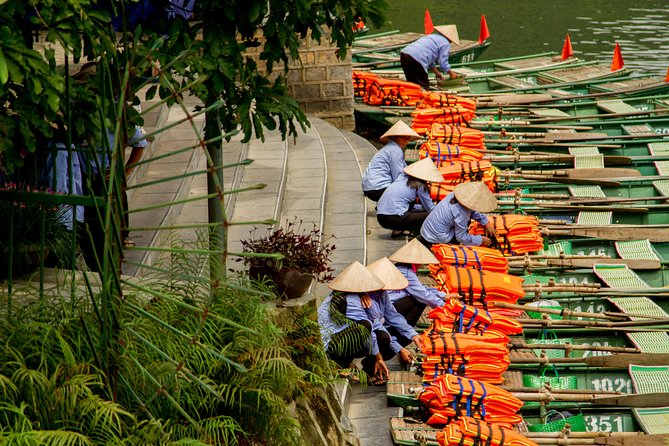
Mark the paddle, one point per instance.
(659, 235)
(546, 178)
(622, 360)
(593, 172)
(659, 399)
(575, 207)
(634, 440)
(637, 264)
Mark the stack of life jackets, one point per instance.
(456, 317)
(477, 257)
(516, 234)
(450, 397)
(393, 92)
(439, 99)
(468, 431)
(461, 173)
(447, 154)
(362, 80)
(424, 118)
(477, 287)
(480, 357)
(463, 136)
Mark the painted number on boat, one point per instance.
(587, 353)
(592, 308)
(606, 384)
(467, 57)
(593, 252)
(573, 280)
(604, 423)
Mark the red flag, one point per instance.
(567, 50)
(666, 78)
(429, 27)
(484, 33)
(617, 62)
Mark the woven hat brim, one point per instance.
(450, 32)
(415, 253)
(425, 170)
(475, 196)
(400, 128)
(356, 278)
(392, 278)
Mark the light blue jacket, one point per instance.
(448, 220)
(429, 50)
(384, 168)
(398, 197)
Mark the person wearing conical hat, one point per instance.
(402, 333)
(422, 56)
(449, 221)
(397, 209)
(411, 300)
(351, 322)
(388, 163)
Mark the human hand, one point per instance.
(418, 341)
(366, 301)
(440, 78)
(490, 230)
(485, 241)
(405, 356)
(381, 369)
(453, 74)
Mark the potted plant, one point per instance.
(303, 255)
(27, 246)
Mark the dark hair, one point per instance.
(416, 183)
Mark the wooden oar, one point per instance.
(654, 235)
(636, 264)
(631, 209)
(574, 438)
(566, 312)
(546, 178)
(580, 347)
(556, 158)
(637, 440)
(594, 324)
(624, 359)
(511, 99)
(593, 172)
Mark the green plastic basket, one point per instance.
(556, 382)
(548, 337)
(576, 423)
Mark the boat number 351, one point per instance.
(604, 423)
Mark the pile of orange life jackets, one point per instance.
(362, 80)
(516, 234)
(438, 99)
(456, 317)
(393, 92)
(446, 154)
(461, 173)
(468, 431)
(463, 136)
(477, 257)
(424, 118)
(450, 397)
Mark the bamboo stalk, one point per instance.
(580, 347)
(565, 312)
(610, 324)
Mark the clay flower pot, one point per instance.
(290, 284)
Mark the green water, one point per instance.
(532, 26)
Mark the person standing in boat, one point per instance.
(421, 56)
(449, 221)
(351, 321)
(387, 164)
(397, 209)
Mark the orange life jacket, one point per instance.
(424, 118)
(457, 317)
(445, 154)
(393, 92)
(463, 136)
(468, 431)
(362, 80)
(478, 257)
(516, 234)
(438, 99)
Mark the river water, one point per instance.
(520, 27)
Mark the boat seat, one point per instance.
(575, 74)
(584, 150)
(653, 420)
(619, 276)
(658, 148)
(662, 187)
(639, 305)
(588, 161)
(539, 61)
(636, 249)
(650, 341)
(639, 130)
(511, 82)
(594, 218)
(631, 83)
(587, 191)
(650, 379)
(662, 167)
(616, 106)
(549, 112)
(556, 249)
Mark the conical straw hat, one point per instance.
(424, 170)
(389, 274)
(356, 279)
(450, 32)
(476, 196)
(415, 253)
(399, 129)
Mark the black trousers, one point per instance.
(374, 195)
(348, 345)
(410, 220)
(414, 71)
(412, 310)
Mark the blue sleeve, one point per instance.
(397, 164)
(356, 312)
(479, 217)
(395, 319)
(425, 199)
(444, 52)
(429, 296)
(465, 238)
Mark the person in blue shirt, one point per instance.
(421, 56)
(397, 209)
(449, 222)
(388, 163)
(352, 320)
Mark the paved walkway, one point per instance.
(315, 179)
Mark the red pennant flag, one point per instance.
(429, 27)
(567, 50)
(617, 62)
(484, 33)
(666, 78)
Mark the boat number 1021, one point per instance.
(607, 384)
